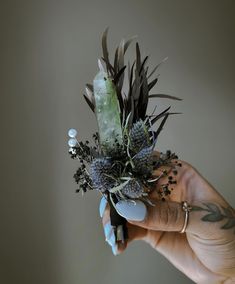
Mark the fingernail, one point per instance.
(132, 210)
(111, 240)
(103, 203)
(107, 230)
(109, 234)
(115, 249)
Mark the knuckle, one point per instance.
(169, 216)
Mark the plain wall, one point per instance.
(49, 50)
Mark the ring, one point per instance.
(186, 208)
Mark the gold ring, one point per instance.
(186, 208)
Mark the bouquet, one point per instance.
(120, 162)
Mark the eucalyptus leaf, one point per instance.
(213, 208)
(197, 208)
(228, 212)
(230, 224)
(212, 217)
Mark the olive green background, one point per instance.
(49, 50)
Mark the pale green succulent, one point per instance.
(107, 112)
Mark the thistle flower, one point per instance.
(133, 189)
(102, 174)
(143, 161)
(139, 136)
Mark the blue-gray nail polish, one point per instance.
(111, 240)
(115, 249)
(132, 210)
(107, 230)
(103, 203)
(109, 234)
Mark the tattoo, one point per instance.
(216, 214)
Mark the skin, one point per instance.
(205, 252)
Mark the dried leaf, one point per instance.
(118, 75)
(138, 57)
(152, 84)
(104, 47)
(109, 67)
(164, 96)
(120, 63)
(161, 125)
(89, 103)
(159, 115)
(153, 71)
(128, 42)
(90, 87)
(142, 65)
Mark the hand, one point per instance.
(206, 251)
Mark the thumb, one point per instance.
(161, 216)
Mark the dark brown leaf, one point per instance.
(164, 96)
(138, 57)
(128, 42)
(161, 125)
(104, 46)
(109, 67)
(142, 65)
(158, 116)
(89, 103)
(152, 84)
(153, 71)
(118, 75)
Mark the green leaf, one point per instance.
(197, 208)
(212, 217)
(230, 224)
(213, 208)
(228, 212)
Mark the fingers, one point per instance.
(134, 232)
(163, 216)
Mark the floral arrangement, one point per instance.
(120, 162)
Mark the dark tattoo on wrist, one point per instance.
(216, 214)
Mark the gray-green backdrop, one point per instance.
(49, 50)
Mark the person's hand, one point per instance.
(206, 251)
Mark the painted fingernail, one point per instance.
(132, 210)
(111, 240)
(115, 249)
(103, 203)
(107, 230)
(109, 234)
